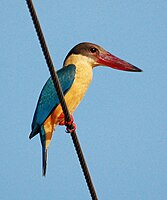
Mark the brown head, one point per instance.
(97, 56)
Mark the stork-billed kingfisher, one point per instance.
(74, 77)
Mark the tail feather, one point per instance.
(44, 149)
(41, 130)
(44, 160)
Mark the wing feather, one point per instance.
(48, 99)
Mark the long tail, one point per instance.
(44, 160)
(44, 149)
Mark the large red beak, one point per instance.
(112, 61)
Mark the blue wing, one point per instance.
(48, 99)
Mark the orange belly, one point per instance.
(73, 97)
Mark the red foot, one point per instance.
(70, 126)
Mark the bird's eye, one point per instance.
(93, 50)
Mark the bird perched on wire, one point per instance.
(75, 78)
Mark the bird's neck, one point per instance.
(83, 66)
(79, 60)
(83, 78)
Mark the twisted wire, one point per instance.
(61, 98)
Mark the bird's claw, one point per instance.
(70, 125)
(70, 128)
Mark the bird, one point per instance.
(75, 77)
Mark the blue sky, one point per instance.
(121, 122)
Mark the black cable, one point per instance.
(61, 98)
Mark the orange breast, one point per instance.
(74, 96)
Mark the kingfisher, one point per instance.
(75, 77)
